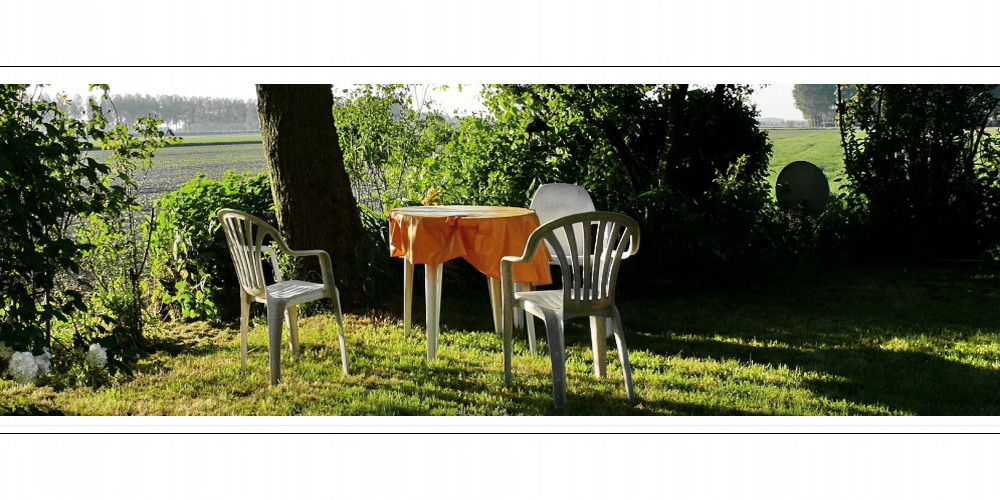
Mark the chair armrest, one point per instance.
(530, 249)
(325, 264)
(507, 278)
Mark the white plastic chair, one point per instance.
(550, 202)
(589, 273)
(245, 235)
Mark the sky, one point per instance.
(773, 101)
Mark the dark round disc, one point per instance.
(802, 185)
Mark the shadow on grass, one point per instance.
(29, 410)
(838, 326)
(834, 325)
(911, 382)
(190, 338)
(528, 395)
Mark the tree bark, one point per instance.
(312, 192)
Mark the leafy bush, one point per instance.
(73, 278)
(390, 140)
(920, 161)
(46, 180)
(613, 140)
(192, 270)
(116, 261)
(608, 138)
(387, 143)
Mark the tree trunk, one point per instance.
(312, 192)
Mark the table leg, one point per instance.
(407, 296)
(598, 337)
(432, 289)
(496, 303)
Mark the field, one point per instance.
(820, 147)
(212, 155)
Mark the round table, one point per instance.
(482, 235)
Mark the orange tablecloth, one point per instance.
(481, 235)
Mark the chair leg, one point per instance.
(274, 320)
(292, 316)
(343, 339)
(518, 312)
(529, 322)
(598, 329)
(557, 353)
(244, 326)
(623, 353)
(507, 325)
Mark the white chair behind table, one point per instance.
(589, 275)
(245, 236)
(550, 202)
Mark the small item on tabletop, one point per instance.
(433, 197)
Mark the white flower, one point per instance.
(44, 362)
(5, 352)
(97, 356)
(23, 367)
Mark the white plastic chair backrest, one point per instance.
(589, 269)
(245, 236)
(553, 201)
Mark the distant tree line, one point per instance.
(179, 113)
(780, 122)
(818, 102)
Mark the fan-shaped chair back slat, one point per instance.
(590, 268)
(245, 236)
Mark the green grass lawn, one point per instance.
(856, 342)
(820, 147)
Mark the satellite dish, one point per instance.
(803, 186)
